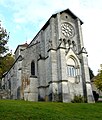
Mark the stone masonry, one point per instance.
(54, 66)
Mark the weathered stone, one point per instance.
(60, 68)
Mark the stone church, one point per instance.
(54, 66)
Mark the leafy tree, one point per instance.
(6, 63)
(98, 80)
(6, 59)
(3, 40)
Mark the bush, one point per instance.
(78, 99)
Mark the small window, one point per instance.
(66, 16)
(32, 68)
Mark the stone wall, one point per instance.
(56, 50)
(4, 94)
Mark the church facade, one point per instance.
(54, 66)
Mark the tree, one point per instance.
(6, 63)
(98, 80)
(6, 59)
(3, 40)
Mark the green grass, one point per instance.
(22, 110)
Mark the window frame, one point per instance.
(33, 68)
(71, 71)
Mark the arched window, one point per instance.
(32, 68)
(71, 67)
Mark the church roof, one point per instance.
(53, 15)
(67, 11)
(22, 45)
(70, 13)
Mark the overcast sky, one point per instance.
(24, 18)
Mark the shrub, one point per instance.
(78, 99)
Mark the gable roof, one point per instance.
(22, 45)
(67, 11)
(70, 13)
(53, 15)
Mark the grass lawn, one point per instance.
(22, 110)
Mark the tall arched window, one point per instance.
(32, 68)
(71, 68)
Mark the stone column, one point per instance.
(87, 82)
(87, 90)
(33, 89)
(53, 84)
(64, 94)
(41, 79)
